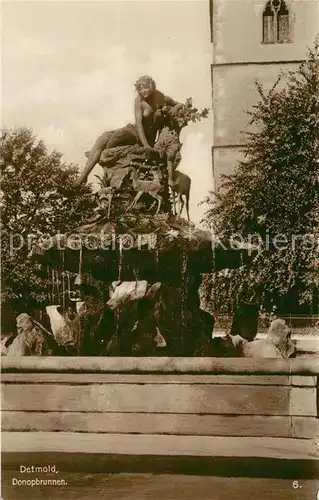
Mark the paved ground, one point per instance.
(159, 487)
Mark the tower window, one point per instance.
(276, 25)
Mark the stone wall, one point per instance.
(161, 407)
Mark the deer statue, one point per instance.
(104, 197)
(181, 187)
(169, 144)
(151, 187)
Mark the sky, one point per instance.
(69, 69)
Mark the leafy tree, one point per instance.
(39, 197)
(274, 193)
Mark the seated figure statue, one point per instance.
(142, 133)
(277, 344)
(150, 164)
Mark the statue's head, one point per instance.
(280, 335)
(145, 86)
(173, 116)
(24, 322)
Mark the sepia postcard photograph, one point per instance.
(159, 249)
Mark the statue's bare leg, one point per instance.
(94, 155)
(170, 171)
(124, 136)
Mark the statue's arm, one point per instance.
(139, 122)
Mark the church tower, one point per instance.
(252, 39)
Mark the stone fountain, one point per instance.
(138, 266)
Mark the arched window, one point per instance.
(276, 22)
(268, 24)
(283, 23)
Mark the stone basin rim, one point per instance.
(162, 365)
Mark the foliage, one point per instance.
(185, 112)
(39, 197)
(191, 113)
(274, 193)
